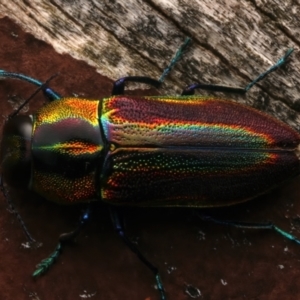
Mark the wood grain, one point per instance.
(233, 41)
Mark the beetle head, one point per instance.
(15, 154)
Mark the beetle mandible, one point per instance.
(163, 151)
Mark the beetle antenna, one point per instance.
(13, 210)
(175, 59)
(42, 87)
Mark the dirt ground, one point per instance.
(216, 261)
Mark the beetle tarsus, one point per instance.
(286, 234)
(279, 63)
(175, 59)
(46, 263)
(160, 287)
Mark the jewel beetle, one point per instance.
(156, 151)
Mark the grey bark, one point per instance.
(232, 42)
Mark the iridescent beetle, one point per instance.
(148, 151)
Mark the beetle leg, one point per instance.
(190, 90)
(118, 226)
(119, 85)
(46, 263)
(246, 225)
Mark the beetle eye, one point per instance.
(15, 155)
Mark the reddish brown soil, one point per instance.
(226, 264)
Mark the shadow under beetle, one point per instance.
(162, 151)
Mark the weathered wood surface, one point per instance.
(233, 41)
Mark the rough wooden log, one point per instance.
(233, 41)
